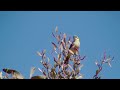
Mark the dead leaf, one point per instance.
(44, 51)
(64, 35)
(59, 57)
(0, 75)
(55, 60)
(54, 46)
(53, 73)
(56, 29)
(43, 54)
(53, 35)
(48, 59)
(79, 77)
(9, 71)
(39, 53)
(63, 44)
(61, 47)
(32, 71)
(39, 77)
(17, 75)
(58, 38)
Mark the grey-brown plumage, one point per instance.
(73, 49)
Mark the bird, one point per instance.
(73, 49)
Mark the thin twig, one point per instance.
(71, 67)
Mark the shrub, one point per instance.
(59, 69)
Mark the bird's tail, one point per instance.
(67, 59)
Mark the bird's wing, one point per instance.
(71, 46)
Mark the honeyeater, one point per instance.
(73, 49)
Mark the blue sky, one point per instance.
(22, 33)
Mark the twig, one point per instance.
(71, 67)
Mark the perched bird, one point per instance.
(73, 49)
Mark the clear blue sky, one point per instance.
(22, 33)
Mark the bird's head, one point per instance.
(75, 37)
